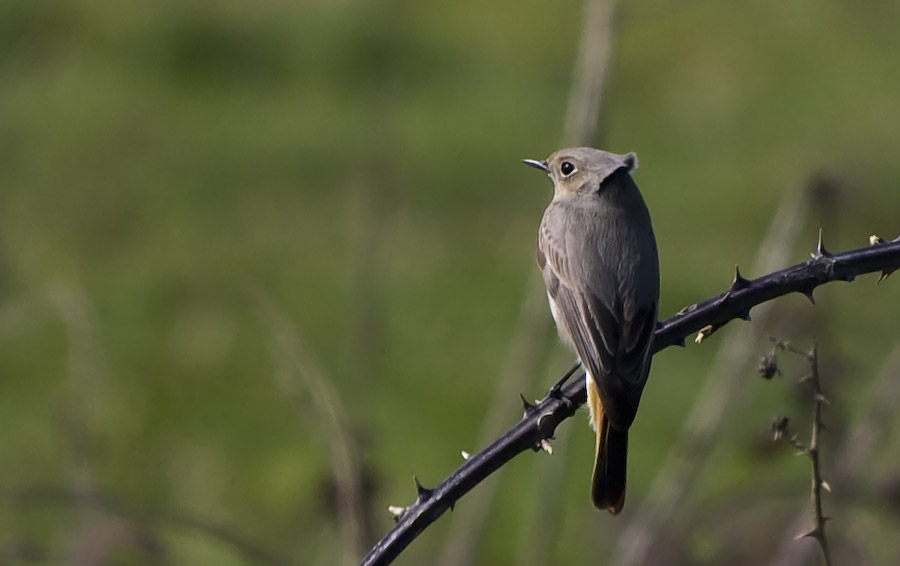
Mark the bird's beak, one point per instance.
(542, 165)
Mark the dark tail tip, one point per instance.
(608, 487)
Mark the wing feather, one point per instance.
(613, 345)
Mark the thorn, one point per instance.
(820, 248)
(874, 240)
(527, 407)
(739, 282)
(884, 275)
(813, 533)
(808, 293)
(545, 446)
(397, 512)
(465, 455)
(825, 485)
(744, 315)
(422, 492)
(705, 333)
(821, 398)
(680, 342)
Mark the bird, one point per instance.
(599, 261)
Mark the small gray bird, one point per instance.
(597, 253)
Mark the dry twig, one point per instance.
(781, 430)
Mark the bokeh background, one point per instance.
(246, 247)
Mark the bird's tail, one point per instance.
(608, 484)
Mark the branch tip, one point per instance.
(396, 512)
(545, 446)
(705, 333)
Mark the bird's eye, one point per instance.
(567, 168)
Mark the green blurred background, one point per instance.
(206, 205)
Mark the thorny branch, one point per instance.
(540, 421)
(780, 428)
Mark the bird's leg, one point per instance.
(555, 390)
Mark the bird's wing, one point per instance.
(614, 345)
(592, 329)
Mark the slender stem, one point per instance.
(818, 531)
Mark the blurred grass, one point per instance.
(159, 160)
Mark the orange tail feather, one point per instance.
(608, 484)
